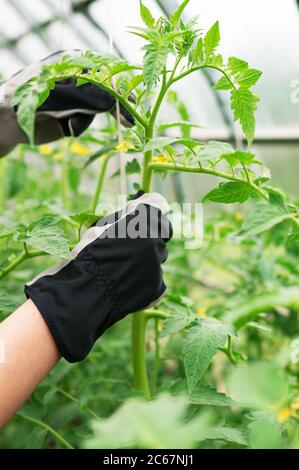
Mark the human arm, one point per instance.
(28, 353)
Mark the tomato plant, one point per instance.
(235, 299)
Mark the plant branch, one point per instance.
(138, 353)
(48, 428)
(200, 67)
(100, 183)
(78, 402)
(207, 171)
(110, 90)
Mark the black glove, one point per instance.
(116, 270)
(68, 111)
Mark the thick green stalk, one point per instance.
(138, 353)
(248, 309)
(101, 178)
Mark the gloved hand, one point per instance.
(116, 270)
(68, 111)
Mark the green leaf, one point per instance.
(155, 61)
(33, 408)
(159, 143)
(236, 65)
(176, 322)
(230, 193)
(201, 343)
(198, 52)
(146, 16)
(294, 234)
(85, 218)
(224, 433)
(203, 394)
(263, 217)
(156, 424)
(176, 15)
(44, 234)
(214, 150)
(223, 84)
(212, 39)
(28, 97)
(36, 438)
(249, 77)
(277, 198)
(6, 303)
(234, 158)
(244, 105)
(265, 431)
(258, 384)
(133, 167)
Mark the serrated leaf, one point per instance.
(198, 52)
(277, 198)
(223, 84)
(234, 158)
(85, 218)
(263, 217)
(28, 97)
(200, 344)
(236, 65)
(244, 105)
(44, 234)
(154, 61)
(146, 16)
(156, 424)
(249, 77)
(203, 394)
(175, 322)
(212, 39)
(230, 193)
(176, 15)
(224, 433)
(215, 60)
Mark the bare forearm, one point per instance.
(28, 353)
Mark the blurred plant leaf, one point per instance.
(200, 344)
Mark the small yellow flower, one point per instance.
(239, 216)
(80, 149)
(162, 158)
(201, 312)
(45, 149)
(124, 146)
(284, 414)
